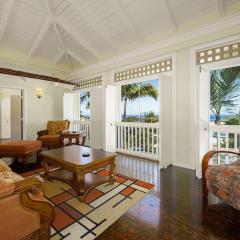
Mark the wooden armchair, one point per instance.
(24, 213)
(222, 180)
(51, 137)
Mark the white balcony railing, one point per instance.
(225, 137)
(140, 139)
(79, 126)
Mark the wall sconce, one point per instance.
(39, 92)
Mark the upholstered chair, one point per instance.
(51, 137)
(25, 214)
(222, 180)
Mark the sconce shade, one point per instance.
(39, 92)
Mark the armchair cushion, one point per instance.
(9, 177)
(56, 127)
(224, 182)
(49, 138)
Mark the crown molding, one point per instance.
(154, 50)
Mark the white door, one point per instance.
(97, 125)
(203, 100)
(16, 117)
(165, 133)
(204, 127)
(6, 118)
(68, 106)
(110, 118)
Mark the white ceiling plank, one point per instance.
(59, 57)
(76, 57)
(84, 12)
(171, 15)
(56, 29)
(37, 42)
(221, 8)
(6, 16)
(84, 43)
(127, 19)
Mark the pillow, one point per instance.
(55, 127)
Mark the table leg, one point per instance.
(77, 140)
(45, 167)
(80, 184)
(112, 173)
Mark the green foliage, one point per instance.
(150, 117)
(224, 89)
(134, 91)
(233, 121)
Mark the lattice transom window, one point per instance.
(153, 68)
(89, 83)
(218, 53)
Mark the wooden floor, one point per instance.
(174, 210)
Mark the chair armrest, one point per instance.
(64, 131)
(32, 184)
(7, 189)
(42, 132)
(205, 162)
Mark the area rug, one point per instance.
(101, 208)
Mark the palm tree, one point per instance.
(133, 91)
(224, 89)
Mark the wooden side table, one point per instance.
(73, 135)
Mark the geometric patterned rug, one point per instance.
(100, 209)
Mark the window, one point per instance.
(85, 112)
(225, 96)
(139, 102)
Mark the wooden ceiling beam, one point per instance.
(33, 75)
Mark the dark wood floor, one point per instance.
(174, 210)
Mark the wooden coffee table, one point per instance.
(76, 170)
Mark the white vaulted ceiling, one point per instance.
(81, 32)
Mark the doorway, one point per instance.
(11, 114)
(218, 108)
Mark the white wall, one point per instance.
(37, 111)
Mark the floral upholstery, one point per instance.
(224, 182)
(55, 127)
(3, 166)
(6, 174)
